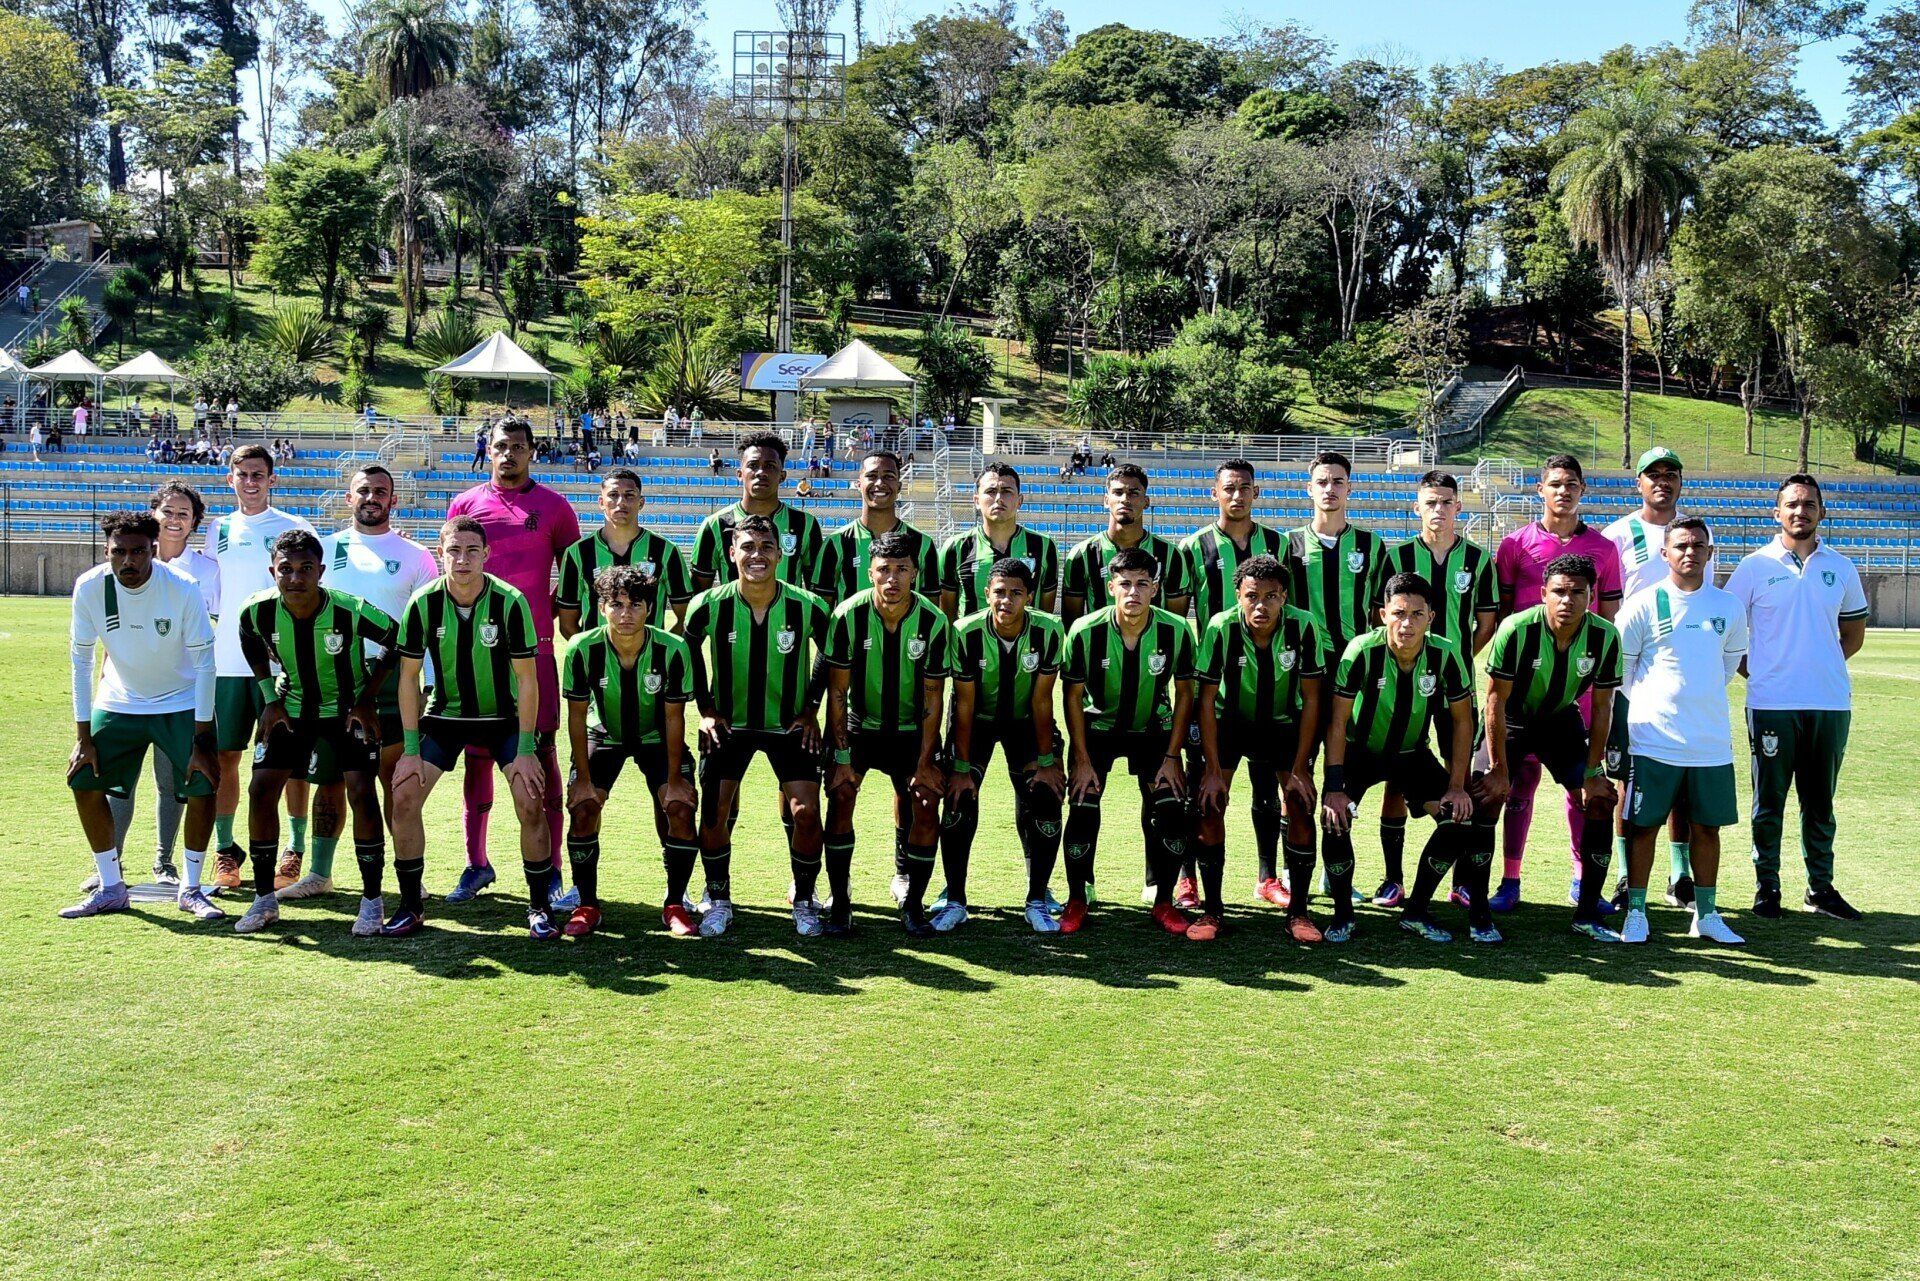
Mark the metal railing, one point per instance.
(50, 311)
(1364, 450)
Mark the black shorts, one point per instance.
(895, 753)
(443, 741)
(1274, 748)
(326, 769)
(605, 761)
(1143, 750)
(300, 745)
(1015, 739)
(1558, 742)
(789, 759)
(1417, 775)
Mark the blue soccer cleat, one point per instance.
(472, 881)
(1507, 896)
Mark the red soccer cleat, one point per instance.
(678, 923)
(1074, 916)
(1274, 891)
(1204, 930)
(1186, 894)
(1171, 919)
(1304, 930)
(584, 921)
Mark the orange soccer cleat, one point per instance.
(1204, 930)
(584, 921)
(1304, 930)
(1171, 919)
(1272, 890)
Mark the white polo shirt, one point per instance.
(1794, 609)
(1640, 543)
(384, 570)
(1679, 650)
(243, 546)
(159, 645)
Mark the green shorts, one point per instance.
(121, 739)
(236, 712)
(1698, 793)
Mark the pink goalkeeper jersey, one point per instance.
(1521, 563)
(527, 530)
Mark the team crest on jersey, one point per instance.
(1462, 579)
(1428, 683)
(1034, 568)
(1719, 625)
(393, 567)
(917, 648)
(1157, 663)
(648, 567)
(783, 640)
(652, 682)
(335, 643)
(1356, 561)
(1585, 665)
(163, 625)
(489, 634)
(789, 543)
(259, 752)
(1827, 577)
(1029, 662)
(1287, 659)
(1769, 744)
(1613, 759)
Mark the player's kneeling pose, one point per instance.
(627, 685)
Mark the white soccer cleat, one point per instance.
(900, 888)
(310, 885)
(949, 917)
(806, 918)
(719, 916)
(1041, 919)
(1636, 930)
(367, 924)
(262, 912)
(1712, 928)
(196, 901)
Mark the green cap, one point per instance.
(1658, 454)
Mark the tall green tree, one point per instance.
(181, 119)
(40, 84)
(413, 45)
(318, 216)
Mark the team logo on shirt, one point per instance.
(1356, 561)
(648, 567)
(1029, 662)
(652, 682)
(1769, 744)
(163, 625)
(393, 567)
(916, 648)
(531, 522)
(783, 640)
(1719, 625)
(1034, 568)
(1287, 660)
(1157, 664)
(1462, 579)
(1428, 683)
(1585, 665)
(489, 634)
(789, 543)
(335, 642)
(1827, 576)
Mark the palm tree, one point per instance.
(1627, 165)
(413, 46)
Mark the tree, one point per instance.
(122, 308)
(609, 61)
(679, 265)
(260, 378)
(1559, 284)
(1627, 169)
(181, 120)
(215, 201)
(411, 208)
(1126, 393)
(1886, 76)
(954, 368)
(412, 45)
(523, 293)
(1428, 348)
(291, 37)
(960, 199)
(319, 212)
(40, 86)
(1850, 389)
(1117, 64)
(1295, 115)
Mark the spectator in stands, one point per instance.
(1107, 461)
(168, 452)
(1066, 471)
(199, 414)
(714, 464)
(134, 413)
(804, 490)
(35, 440)
(56, 443)
(632, 450)
(697, 427)
(24, 297)
(202, 449)
(153, 449)
(154, 421)
(226, 454)
(233, 416)
(80, 419)
(669, 423)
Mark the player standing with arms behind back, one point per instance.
(967, 561)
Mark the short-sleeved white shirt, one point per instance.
(1793, 613)
(152, 638)
(204, 570)
(382, 569)
(244, 547)
(1640, 543)
(1679, 649)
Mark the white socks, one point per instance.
(108, 864)
(195, 860)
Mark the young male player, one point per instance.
(1543, 659)
(384, 568)
(1465, 610)
(1387, 693)
(479, 633)
(621, 541)
(754, 640)
(763, 469)
(1806, 615)
(156, 691)
(844, 556)
(1006, 659)
(528, 528)
(1638, 537)
(241, 542)
(967, 561)
(889, 650)
(1681, 642)
(1129, 694)
(322, 701)
(627, 686)
(1261, 663)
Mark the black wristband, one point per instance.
(1336, 777)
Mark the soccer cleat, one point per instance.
(1073, 916)
(1186, 894)
(472, 880)
(1490, 935)
(90, 882)
(839, 921)
(1619, 898)
(402, 924)
(262, 912)
(679, 921)
(1338, 932)
(1507, 896)
(311, 885)
(1425, 929)
(1148, 893)
(1601, 934)
(949, 916)
(1828, 902)
(1301, 929)
(900, 887)
(101, 901)
(1039, 919)
(540, 927)
(584, 921)
(1767, 903)
(367, 922)
(1680, 892)
(1054, 905)
(1171, 919)
(164, 872)
(806, 918)
(196, 901)
(1389, 895)
(1204, 930)
(1459, 897)
(226, 867)
(561, 897)
(1712, 928)
(1271, 890)
(914, 920)
(716, 919)
(287, 870)
(1605, 907)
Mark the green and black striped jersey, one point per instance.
(1127, 690)
(1212, 559)
(1545, 677)
(966, 563)
(323, 662)
(471, 648)
(1338, 586)
(1393, 707)
(1084, 577)
(1256, 688)
(1465, 583)
(586, 558)
(753, 672)
(799, 535)
(849, 549)
(1004, 670)
(889, 666)
(628, 705)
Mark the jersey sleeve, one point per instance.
(679, 685)
(1175, 580)
(574, 686)
(566, 526)
(521, 640)
(1050, 645)
(707, 549)
(1346, 677)
(927, 574)
(673, 572)
(819, 622)
(1212, 661)
(1455, 678)
(1503, 655)
(1486, 588)
(413, 627)
(950, 565)
(1853, 597)
(939, 648)
(1506, 566)
(1183, 650)
(1740, 582)
(1079, 654)
(1048, 570)
(1735, 648)
(372, 624)
(826, 576)
(812, 542)
(967, 642)
(839, 647)
(1606, 668)
(82, 633)
(252, 644)
(695, 619)
(571, 593)
(1074, 585)
(1313, 659)
(1612, 580)
(1632, 626)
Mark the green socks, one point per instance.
(299, 843)
(1620, 855)
(1636, 900)
(222, 831)
(323, 847)
(1682, 855)
(1703, 897)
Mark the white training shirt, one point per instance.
(1640, 543)
(159, 644)
(1679, 649)
(204, 570)
(382, 569)
(1793, 613)
(243, 545)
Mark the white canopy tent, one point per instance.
(148, 368)
(499, 358)
(12, 371)
(71, 367)
(857, 366)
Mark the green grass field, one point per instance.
(181, 1101)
